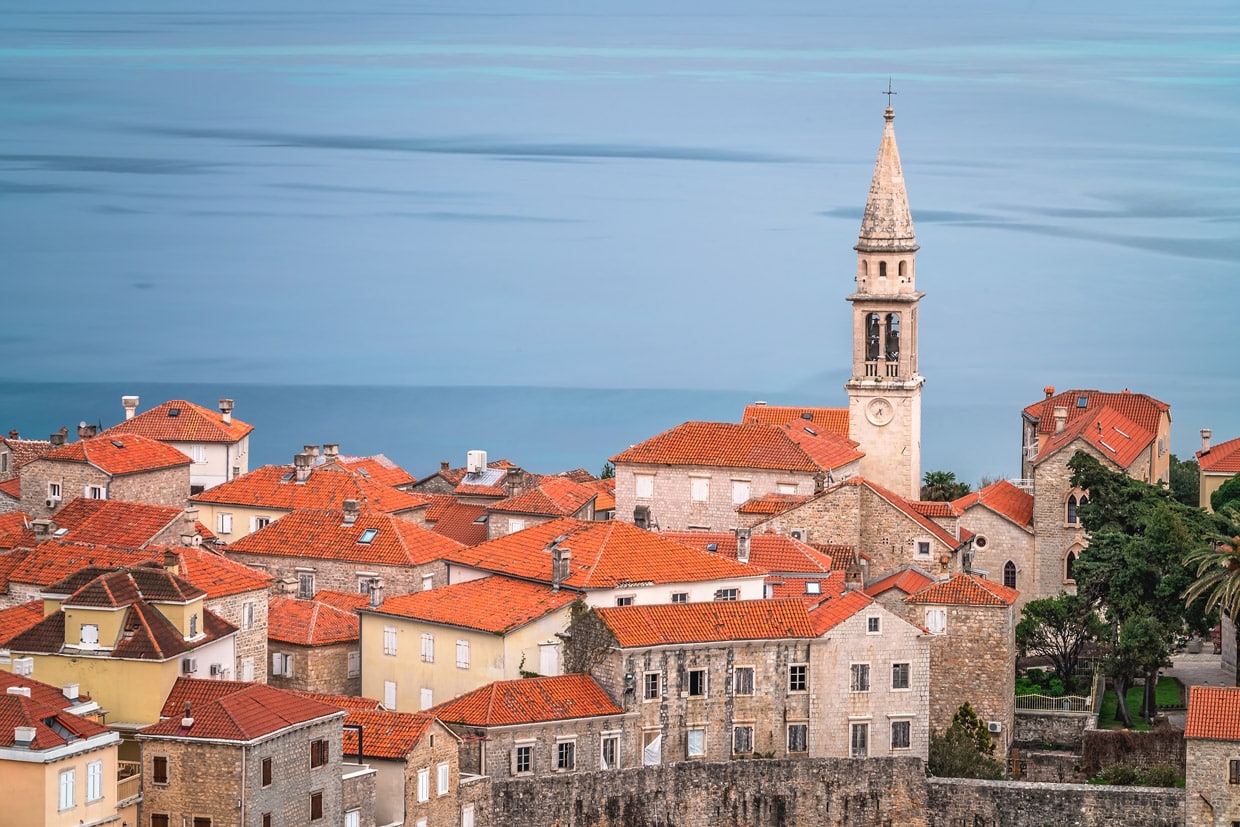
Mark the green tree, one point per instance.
(1142, 647)
(1185, 480)
(1217, 566)
(608, 472)
(965, 750)
(942, 486)
(1227, 494)
(1059, 628)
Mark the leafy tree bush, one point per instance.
(1059, 628)
(1126, 775)
(942, 486)
(1227, 494)
(965, 749)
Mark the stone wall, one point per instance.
(1005, 541)
(164, 486)
(357, 793)
(1105, 747)
(251, 639)
(341, 575)
(1055, 766)
(1212, 799)
(1039, 729)
(323, 668)
(436, 747)
(964, 802)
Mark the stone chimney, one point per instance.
(742, 544)
(444, 465)
(561, 565)
(172, 563)
(13, 434)
(514, 483)
(1206, 433)
(226, 409)
(331, 450)
(301, 466)
(820, 482)
(1061, 418)
(87, 431)
(1049, 390)
(376, 593)
(189, 525)
(130, 404)
(57, 439)
(350, 509)
(312, 450)
(42, 528)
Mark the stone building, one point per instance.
(1212, 749)
(546, 498)
(789, 563)
(14, 453)
(1000, 518)
(376, 467)
(1217, 464)
(312, 646)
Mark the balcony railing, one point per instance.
(1049, 703)
(128, 781)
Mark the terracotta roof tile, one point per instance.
(113, 522)
(965, 590)
(491, 604)
(1223, 458)
(275, 487)
(23, 451)
(12, 488)
(731, 445)
(439, 505)
(909, 581)
(707, 622)
(931, 527)
(44, 693)
(1114, 436)
(604, 555)
(833, 611)
(309, 622)
(391, 735)
(15, 530)
(821, 419)
(217, 575)
(549, 497)
(529, 701)
(345, 702)
(1144, 410)
(1004, 499)
(346, 601)
(377, 468)
(179, 421)
(768, 551)
(17, 619)
(1213, 713)
(53, 727)
(771, 504)
(119, 455)
(245, 714)
(463, 522)
(930, 508)
(605, 491)
(809, 590)
(323, 535)
(55, 560)
(580, 475)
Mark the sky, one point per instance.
(619, 195)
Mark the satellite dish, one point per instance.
(82, 424)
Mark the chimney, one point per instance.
(226, 408)
(189, 528)
(1061, 418)
(1049, 390)
(444, 465)
(331, 450)
(376, 593)
(350, 509)
(187, 721)
(172, 562)
(1206, 433)
(131, 405)
(742, 544)
(13, 434)
(312, 450)
(820, 482)
(71, 691)
(57, 439)
(301, 466)
(19, 690)
(514, 483)
(23, 736)
(86, 431)
(561, 562)
(42, 528)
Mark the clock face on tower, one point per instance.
(879, 411)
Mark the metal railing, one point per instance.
(1050, 703)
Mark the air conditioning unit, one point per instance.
(995, 726)
(189, 666)
(475, 461)
(801, 534)
(216, 670)
(23, 666)
(52, 502)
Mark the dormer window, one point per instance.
(193, 625)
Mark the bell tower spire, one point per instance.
(884, 393)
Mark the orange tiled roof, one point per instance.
(781, 587)
(439, 505)
(821, 419)
(120, 454)
(252, 711)
(275, 487)
(731, 445)
(309, 622)
(323, 535)
(179, 421)
(930, 526)
(113, 522)
(377, 468)
(1213, 713)
(385, 734)
(932, 508)
(965, 590)
(463, 522)
(345, 702)
(17, 619)
(550, 497)
(1004, 499)
(491, 604)
(15, 530)
(12, 488)
(54, 560)
(1223, 458)
(216, 574)
(22, 451)
(910, 581)
(605, 555)
(833, 611)
(453, 476)
(605, 491)
(44, 693)
(771, 504)
(53, 726)
(1140, 408)
(529, 701)
(673, 624)
(1114, 436)
(347, 601)
(770, 552)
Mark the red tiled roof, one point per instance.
(491, 604)
(930, 526)
(771, 504)
(217, 575)
(1114, 436)
(931, 508)
(909, 581)
(345, 702)
(965, 590)
(1144, 410)
(1004, 499)
(820, 419)
(346, 601)
(17, 619)
(605, 491)
(119, 587)
(377, 468)
(14, 530)
(275, 487)
(44, 693)
(53, 727)
(707, 622)
(309, 622)
(1223, 458)
(550, 497)
(385, 734)
(12, 488)
(833, 611)
(769, 551)
(439, 505)
(453, 476)
(781, 587)
(731, 445)
(113, 522)
(1213, 713)
(529, 701)
(244, 714)
(323, 535)
(55, 560)
(23, 451)
(460, 522)
(604, 555)
(121, 454)
(189, 423)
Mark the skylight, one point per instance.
(368, 535)
(1082, 401)
(813, 587)
(480, 519)
(60, 532)
(118, 443)
(174, 412)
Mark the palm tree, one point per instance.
(941, 486)
(1218, 568)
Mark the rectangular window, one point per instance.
(266, 772)
(201, 821)
(90, 634)
(428, 697)
(281, 665)
(305, 584)
(159, 769)
(96, 492)
(609, 752)
(936, 621)
(742, 680)
(53, 491)
(923, 548)
(680, 597)
(428, 648)
(1233, 767)
(318, 753)
(798, 677)
(467, 815)
(161, 820)
(389, 696)
(859, 741)
(786, 487)
(740, 492)
(523, 759)
(198, 453)
(899, 675)
(652, 748)
(441, 779)
(798, 737)
(900, 732)
(742, 740)
(697, 683)
(624, 600)
(860, 678)
(68, 788)
(873, 625)
(424, 784)
(316, 806)
(354, 665)
(247, 615)
(650, 686)
(259, 523)
(462, 654)
(247, 669)
(566, 756)
(428, 582)
(695, 743)
(726, 594)
(223, 522)
(699, 489)
(353, 818)
(516, 524)
(389, 640)
(94, 781)
(644, 486)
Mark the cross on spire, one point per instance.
(889, 92)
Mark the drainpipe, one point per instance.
(244, 782)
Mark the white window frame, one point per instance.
(523, 749)
(247, 615)
(198, 453)
(680, 597)
(94, 781)
(804, 725)
(700, 750)
(424, 785)
(743, 686)
(652, 686)
(428, 582)
(742, 733)
(516, 524)
(566, 754)
(354, 667)
(873, 625)
(908, 733)
(428, 647)
(727, 594)
(908, 676)
(740, 492)
(703, 687)
(612, 738)
(53, 491)
(389, 695)
(859, 747)
(923, 548)
(467, 815)
(443, 781)
(305, 585)
(282, 664)
(804, 673)
(625, 599)
(223, 522)
(462, 654)
(68, 789)
(96, 492)
(859, 677)
(389, 641)
(643, 486)
(699, 489)
(353, 818)
(427, 697)
(936, 621)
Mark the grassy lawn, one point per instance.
(1166, 694)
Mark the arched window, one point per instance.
(1009, 574)
(893, 337)
(871, 338)
(865, 267)
(1069, 564)
(882, 269)
(902, 270)
(1073, 518)
(1076, 499)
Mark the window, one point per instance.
(936, 621)
(266, 772)
(899, 675)
(523, 759)
(859, 741)
(318, 753)
(680, 597)
(695, 743)
(697, 683)
(247, 669)
(68, 788)
(923, 548)
(305, 584)
(441, 779)
(281, 665)
(201, 821)
(644, 486)
(873, 625)
(900, 734)
(609, 752)
(389, 640)
(742, 740)
(1069, 563)
(699, 489)
(566, 756)
(624, 600)
(90, 634)
(247, 615)
(650, 686)
(1009, 574)
(726, 594)
(389, 696)
(742, 680)
(786, 487)
(316, 805)
(428, 697)
(94, 781)
(355, 665)
(882, 269)
(798, 677)
(462, 654)
(96, 492)
(161, 820)
(198, 453)
(428, 648)
(652, 748)
(424, 784)
(813, 587)
(259, 523)
(428, 582)
(740, 492)
(353, 818)
(368, 536)
(223, 522)
(859, 680)
(159, 769)
(193, 625)
(467, 815)
(1233, 768)
(798, 737)
(516, 524)
(1072, 515)
(53, 491)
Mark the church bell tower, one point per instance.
(884, 393)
